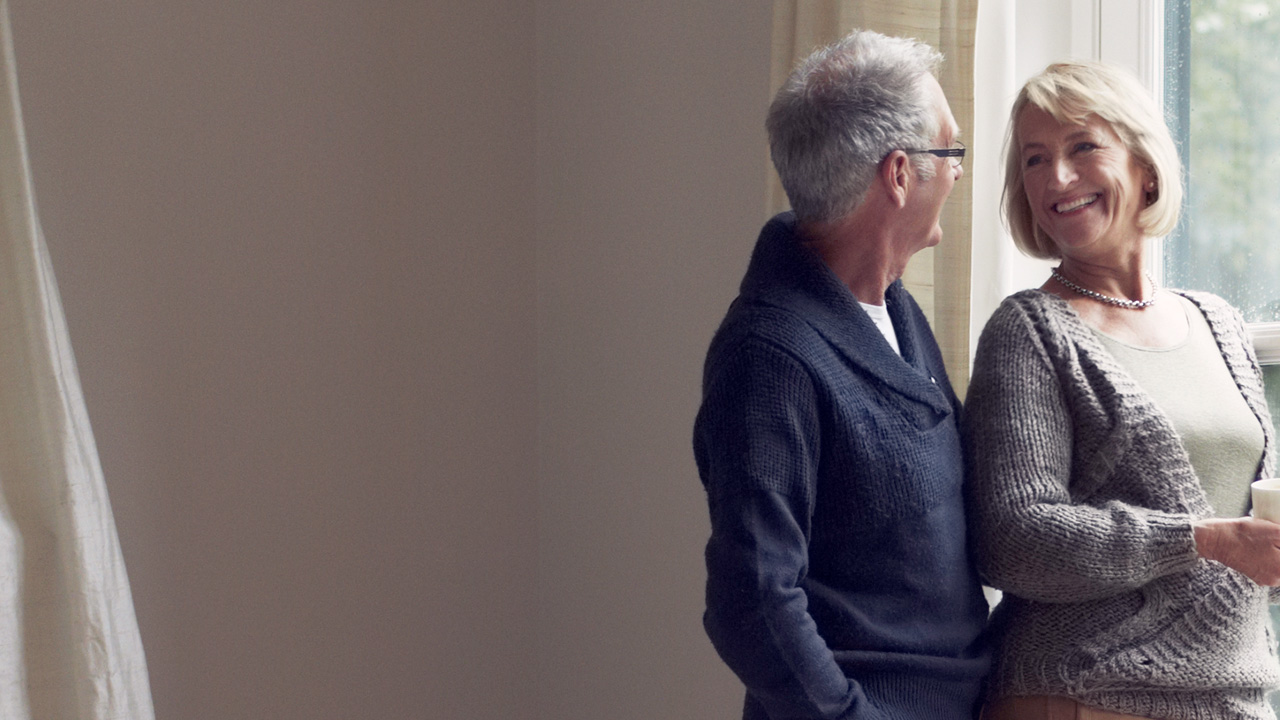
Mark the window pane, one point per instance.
(1223, 85)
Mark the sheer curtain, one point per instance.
(69, 643)
(939, 277)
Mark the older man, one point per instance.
(839, 583)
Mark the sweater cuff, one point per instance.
(1173, 546)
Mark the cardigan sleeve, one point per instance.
(1032, 539)
(757, 445)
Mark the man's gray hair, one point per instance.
(842, 111)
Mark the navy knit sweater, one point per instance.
(839, 582)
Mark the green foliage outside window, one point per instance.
(1229, 241)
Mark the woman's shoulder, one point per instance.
(1029, 310)
(1017, 326)
(1031, 323)
(1202, 298)
(1041, 300)
(1221, 314)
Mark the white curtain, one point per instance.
(995, 63)
(69, 642)
(937, 277)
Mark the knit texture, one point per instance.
(838, 579)
(1081, 506)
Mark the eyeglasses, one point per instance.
(954, 155)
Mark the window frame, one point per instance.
(1266, 342)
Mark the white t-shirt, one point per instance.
(880, 316)
(1190, 382)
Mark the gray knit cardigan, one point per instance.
(1081, 500)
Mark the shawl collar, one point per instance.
(785, 275)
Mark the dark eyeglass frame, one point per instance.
(954, 152)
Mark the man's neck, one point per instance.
(858, 251)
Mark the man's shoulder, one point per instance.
(769, 326)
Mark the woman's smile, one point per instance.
(1069, 206)
(1083, 184)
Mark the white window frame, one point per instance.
(1131, 33)
(1266, 341)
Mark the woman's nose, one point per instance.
(1063, 172)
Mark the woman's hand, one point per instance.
(1246, 544)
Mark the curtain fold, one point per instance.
(939, 278)
(69, 642)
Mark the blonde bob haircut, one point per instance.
(1070, 92)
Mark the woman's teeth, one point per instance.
(1075, 204)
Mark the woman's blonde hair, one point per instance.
(1070, 92)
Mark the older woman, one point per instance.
(1112, 430)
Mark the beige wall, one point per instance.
(652, 189)
(390, 318)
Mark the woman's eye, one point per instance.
(1085, 147)
(1033, 160)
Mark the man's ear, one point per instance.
(895, 177)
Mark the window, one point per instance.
(1222, 95)
(1223, 83)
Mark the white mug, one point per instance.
(1266, 499)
